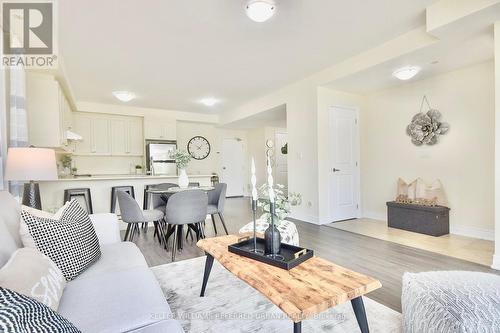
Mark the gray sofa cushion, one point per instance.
(451, 302)
(119, 301)
(116, 257)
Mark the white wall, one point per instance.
(463, 159)
(257, 148)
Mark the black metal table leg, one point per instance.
(297, 327)
(359, 311)
(208, 267)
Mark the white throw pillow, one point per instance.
(26, 237)
(31, 273)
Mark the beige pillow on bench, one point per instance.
(33, 274)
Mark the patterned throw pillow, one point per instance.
(19, 313)
(23, 228)
(70, 242)
(33, 274)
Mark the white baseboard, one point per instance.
(481, 233)
(496, 262)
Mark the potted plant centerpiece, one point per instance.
(182, 159)
(138, 169)
(282, 208)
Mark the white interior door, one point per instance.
(344, 167)
(233, 162)
(281, 167)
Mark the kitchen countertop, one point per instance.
(118, 177)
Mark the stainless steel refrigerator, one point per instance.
(158, 159)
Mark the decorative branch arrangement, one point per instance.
(425, 128)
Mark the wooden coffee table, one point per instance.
(308, 289)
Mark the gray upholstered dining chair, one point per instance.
(133, 215)
(185, 208)
(216, 203)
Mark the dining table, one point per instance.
(165, 193)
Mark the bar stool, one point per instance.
(114, 198)
(71, 193)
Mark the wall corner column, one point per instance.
(496, 257)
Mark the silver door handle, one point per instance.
(335, 170)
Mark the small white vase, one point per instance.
(183, 179)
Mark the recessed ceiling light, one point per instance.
(124, 96)
(260, 10)
(406, 73)
(210, 101)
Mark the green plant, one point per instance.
(138, 166)
(284, 149)
(66, 161)
(181, 157)
(281, 204)
(74, 170)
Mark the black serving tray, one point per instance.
(293, 255)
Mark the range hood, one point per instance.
(72, 136)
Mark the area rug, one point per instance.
(230, 305)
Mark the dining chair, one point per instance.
(216, 203)
(185, 208)
(133, 215)
(158, 201)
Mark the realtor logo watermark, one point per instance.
(29, 34)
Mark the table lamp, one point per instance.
(31, 164)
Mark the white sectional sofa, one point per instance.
(118, 293)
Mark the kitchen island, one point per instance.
(52, 192)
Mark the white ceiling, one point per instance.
(172, 53)
(440, 58)
(275, 117)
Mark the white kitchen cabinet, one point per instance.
(119, 139)
(109, 135)
(160, 129)
(135, 137)
(101, 139)
(49, 112)
(83, 126)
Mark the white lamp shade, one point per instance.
(31, 164)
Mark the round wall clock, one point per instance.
(198, 147)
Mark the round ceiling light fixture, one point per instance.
(406, 73)
(124, 96)
(209, 101)
(260, 10)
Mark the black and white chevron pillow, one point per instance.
(70, 242)
(19, 313)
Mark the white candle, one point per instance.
(270, 180)
(254, 181)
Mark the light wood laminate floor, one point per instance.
(479, 251)
(386, 261)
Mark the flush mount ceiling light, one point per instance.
(260, 10)
(406, 73)
(124, 96)
(210, 101)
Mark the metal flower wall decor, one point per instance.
(425, 128)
